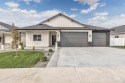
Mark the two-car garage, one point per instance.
(80, 39)
(74, 39)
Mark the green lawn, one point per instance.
(119, 47)
(24, 59)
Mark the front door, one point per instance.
(53, 39)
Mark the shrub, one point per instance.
(22, 47)
(37, 60)
(43, 59)
(21, 44)
(50, 50)
(33, 47)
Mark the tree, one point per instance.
(16, 38)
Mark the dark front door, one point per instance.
(53, 39)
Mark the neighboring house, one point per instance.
(5, 37)
(118, 32)
(117, 36)
(66, 32)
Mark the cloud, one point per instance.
(92, 7)
(73, 15)
(92, 3)
(98, 17)
(38, 1)
(103, 20)
(24, 17)
(102, 4)
(29, 1)
(12, 5)
(89, 2)
(75, 9)
(114, 21)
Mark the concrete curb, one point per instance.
(54, 59)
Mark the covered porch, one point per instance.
(54, 38)
(40, 38)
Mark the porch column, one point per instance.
(58, 39)
(90, 38)
(3, 42)
(58, 36)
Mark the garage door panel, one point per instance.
(99, 39)
(74, 39)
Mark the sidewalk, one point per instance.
(64, 75)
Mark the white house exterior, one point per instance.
(5, 37)
(66, 32)
(117, 36)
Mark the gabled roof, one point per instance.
(5, 27)
(47, 27)
(118, 29)
(60, 14)
(96, 27)
(42, 26)
(36, 27)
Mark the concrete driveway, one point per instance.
(91, 57)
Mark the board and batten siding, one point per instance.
(44, 39)
(62, 21)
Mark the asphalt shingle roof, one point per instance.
(47, 27)
(6, 27)
(42, 26)
(119, 29)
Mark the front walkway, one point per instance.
(64, 75)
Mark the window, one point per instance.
(0, 39)
(116, 36)
(36, 37)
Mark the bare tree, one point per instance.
(16, 38)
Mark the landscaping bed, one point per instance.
(41, 64)
(23, 59)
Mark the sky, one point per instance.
(103, 13)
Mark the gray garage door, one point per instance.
(99, 39)
(74, 39)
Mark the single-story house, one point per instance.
(66, 32)
(5, 35)
(118, 32)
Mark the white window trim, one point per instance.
(37, 37)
